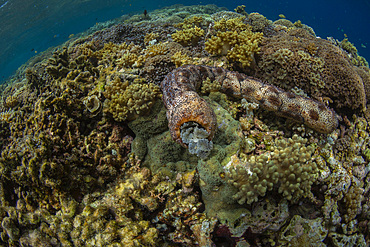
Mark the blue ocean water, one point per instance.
(32, 26)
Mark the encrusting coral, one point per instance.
(296, 58)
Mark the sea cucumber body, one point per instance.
(184, 104)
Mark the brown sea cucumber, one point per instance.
(184, 105)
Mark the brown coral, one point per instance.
(298, 59)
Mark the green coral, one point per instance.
(180, 59)
(278, 67)
(121, 55)
(237, 42)
(113, 217)
(189, 36)
(317, 66)
(190, 22)
(289, 166)
(190, 32)
(258, 22)
(156, 49)
(234, 24)
(353, 200)
(344, 240)
(127, 101)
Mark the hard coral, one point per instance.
(288, 60)
(180, 59)
(121, 55)
(189, 36)
(234, 24)
(258, 22)
(304, 232)
(190, 32)
(128, 101)
(289, 166)
(237, 41)
(353, 53)
(190, 22)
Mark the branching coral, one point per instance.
(127, 101)
(234, 24)
(235, 40)
(180, 59)
(289, 166)
(356, 59)
(190, 32)
(189, 36)
(123, 55)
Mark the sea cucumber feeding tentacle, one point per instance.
(185, 105)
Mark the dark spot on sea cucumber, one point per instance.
(248, 90)
(314, 115)
(321, 107)
(292, 115)
(219, 70)
(294, 108)
(290, 95)
(239, 77)
(203, 69)
(229, 91)
(273, 89)
(184, 73)
(273, 100)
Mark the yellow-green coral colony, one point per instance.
(289, 165)
(239, 47)
(129, 101)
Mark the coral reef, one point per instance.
(301, 231)
(88, 157)
(190, 32)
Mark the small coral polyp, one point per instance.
(185, 105)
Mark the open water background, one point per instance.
(31, 26)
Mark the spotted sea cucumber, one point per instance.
(184, 105)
